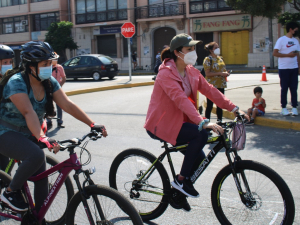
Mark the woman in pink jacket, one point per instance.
(172, 114)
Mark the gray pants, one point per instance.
(17, 146)
(59, 115)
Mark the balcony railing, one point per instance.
(208, 6)
(110, 15)
(160, 10)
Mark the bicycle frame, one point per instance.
(65, 168)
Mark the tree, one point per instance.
(59, 37)
(266, 8)
(295, 4)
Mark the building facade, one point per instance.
(26, 20)
(243, 39)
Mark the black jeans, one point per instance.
(210, 106)
(289, 80)
(194, 154)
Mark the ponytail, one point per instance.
(167, 54)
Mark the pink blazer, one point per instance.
(169, 104)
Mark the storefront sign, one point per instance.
(220, 23)
(110, 29)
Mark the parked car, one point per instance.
(91, 65)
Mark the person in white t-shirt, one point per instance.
(287, 50)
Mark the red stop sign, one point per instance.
(128, 30)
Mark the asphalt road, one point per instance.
(123, 113)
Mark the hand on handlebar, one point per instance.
(99, 128)
(50, 143)
(215, 127)
(238, 113)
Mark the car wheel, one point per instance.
(96, 76)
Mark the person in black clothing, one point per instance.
(158, 62)
(133, 56)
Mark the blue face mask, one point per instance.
(45, 72)
(4, 68)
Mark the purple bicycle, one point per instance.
(92, 204)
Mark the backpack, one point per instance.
(203, 71)
(4, 81)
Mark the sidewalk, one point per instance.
(240, 93)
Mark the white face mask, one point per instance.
(190, 58)
(4, 68)
(217, 51)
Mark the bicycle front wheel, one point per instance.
(106, 205)
(145, 186)
(268, 200)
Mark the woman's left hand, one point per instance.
(215, 127)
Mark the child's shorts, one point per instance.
(260, 113)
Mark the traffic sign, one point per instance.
(128, 30)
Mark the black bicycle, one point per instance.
(243, 192)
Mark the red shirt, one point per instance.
(58, 73)
(256, 104)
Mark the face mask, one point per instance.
(296, 33)
(217, 51)
(45, 72)
(190, 58)
(4, 68)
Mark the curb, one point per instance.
(262, 121)
(89, 90)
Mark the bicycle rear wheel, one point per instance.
(115, 208)
(269, 200)
(149, 196)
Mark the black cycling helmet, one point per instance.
(37, 51)
(6, 52)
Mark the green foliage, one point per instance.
(59, 37)
(265, 8)
(288, 17)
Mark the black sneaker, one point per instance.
(250, 123)
(60, 125)
(15, 200)
(186, 187)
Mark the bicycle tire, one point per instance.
(56, 213)
(120, 210)
(149, 205)
(272, 201)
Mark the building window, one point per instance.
(85, 6)
(4, 3)
(197, 6)
(153, 2)
(32, 1)
(14, 25)
(43, 21)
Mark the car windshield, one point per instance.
(106, 59)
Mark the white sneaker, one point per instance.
(285, 112)
(294, 112)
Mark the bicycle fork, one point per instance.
(84, 195)
(246, 197)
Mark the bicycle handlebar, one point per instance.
(94, 135)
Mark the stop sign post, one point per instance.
(128, 30)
